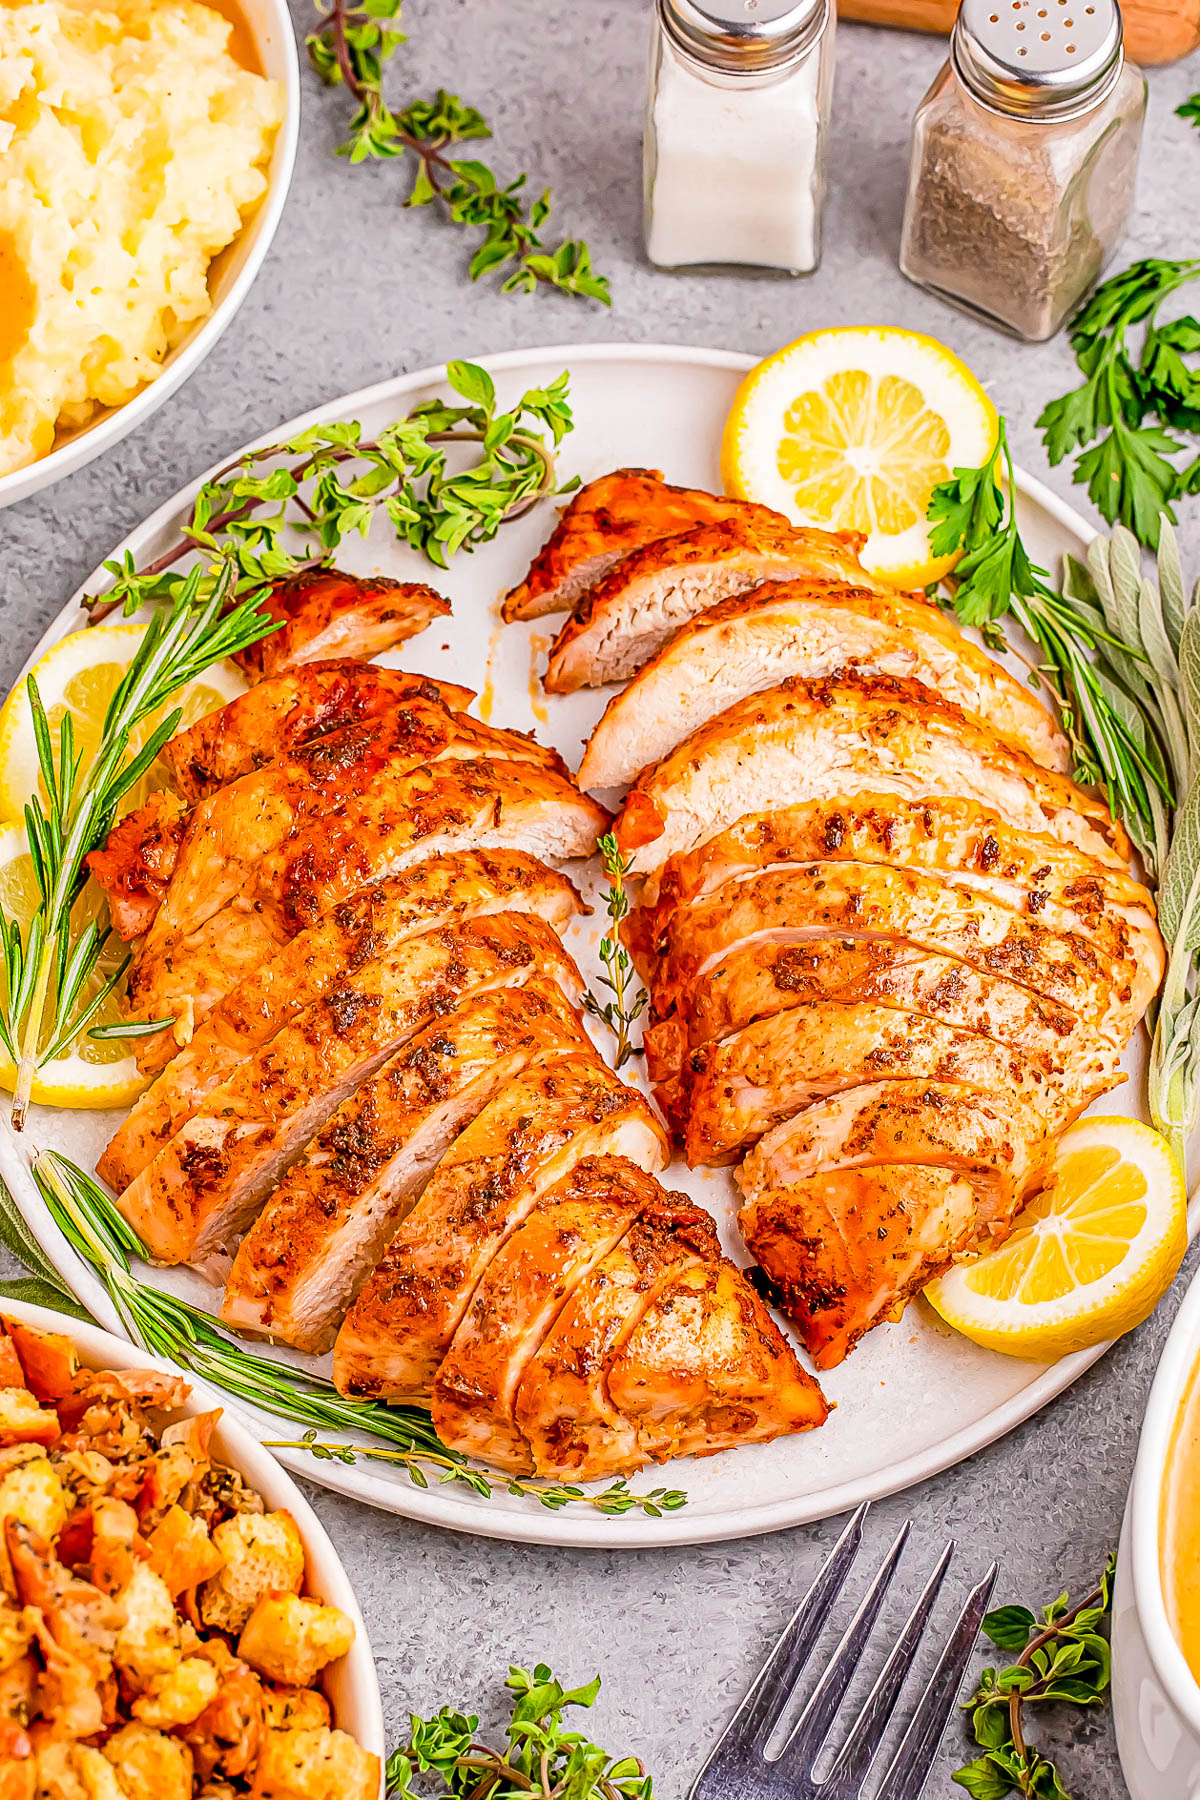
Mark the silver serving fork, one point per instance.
(738, 1768)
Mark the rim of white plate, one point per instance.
(275, 41)
(439, 1505)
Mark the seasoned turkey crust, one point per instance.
(324, 613)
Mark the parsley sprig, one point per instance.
(1123, 416)
(625, 1007)
(1190, 110)
(541, 1761)
(289, 506)
(1063, 1657)
(350, 49)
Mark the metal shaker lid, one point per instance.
(743, 36)
(1038, 59)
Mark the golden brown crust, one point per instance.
(325, 613)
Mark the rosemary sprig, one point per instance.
(1063, 1657)
(616, 1498)
(50, 988)
(351, 49)
(166, 1326)
(622, 1011)
(541, 1761)
(329, 483)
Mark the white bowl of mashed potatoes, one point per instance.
(146, 148)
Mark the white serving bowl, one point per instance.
(230, 275)
(1156, 1700)
(351, 1684)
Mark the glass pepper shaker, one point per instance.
(736, 127)
(1024, 160)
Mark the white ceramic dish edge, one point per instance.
(271, 25)
(353, 1686)
(440, 1505)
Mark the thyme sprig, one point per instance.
(1063, 1657)
(616, 1498)
(351, 49)
(625, 1008)
(167, 1326)
(52, 989)
(290, 506)
(541, 1760)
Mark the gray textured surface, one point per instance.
(355, 289)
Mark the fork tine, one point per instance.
(812, 1727)
(755, 1718)
(859, 1751)
(913, 1760)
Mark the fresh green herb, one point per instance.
(129, 1028)
(621, 1011)
(616, 1498)
(1086, 667)
(289, 506)
(1123, 414)
(52, 988)
(166, 1326)
(351, 49)
(541, 1760)
(1190, 110)
(1063, 1657)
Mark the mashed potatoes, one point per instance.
(131, 146)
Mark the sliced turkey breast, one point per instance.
(520, 1295)
(631, 612)
(856, 1203)
(395, 824)
(324, 1228)
(198, 1195)
(133, 868)
(762, 979)
(288, 710)
(809, 629)
(730, 1093)
(442, 891)
(394, 1337)
(807, 740)
(324, 613)
(605, 520)
(857, 900)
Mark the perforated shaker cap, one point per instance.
(743, 36)
(1038, 59)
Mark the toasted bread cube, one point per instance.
(23, 1421)
(148, 1642)
(16, 1634)
(315, 1765)
(182, 1552)
(180, 1697)
(69, 1771)
(263, 1555)
(149, 1765)
(290, 1639)
(294, 1709)
(32, 1493)
(47, 1358)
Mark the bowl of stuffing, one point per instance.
(174, 1622)
(146, 147)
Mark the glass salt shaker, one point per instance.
(1024, 160)
(736, 127)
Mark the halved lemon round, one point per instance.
(80, 674)
(1088, 1259)
(851, 430)
(91, 1072)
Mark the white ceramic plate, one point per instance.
(230, 278)
(351, 1684)
(914, 1398)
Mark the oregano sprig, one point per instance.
(625, 1007)
(1062, 1656)
(351, 49)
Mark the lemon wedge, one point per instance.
(851, 430)
(1088, 1259)
(80, 675)
(92, 1072)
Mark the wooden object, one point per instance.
(1156, 31)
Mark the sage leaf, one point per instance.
(1170, 583)
(1125, 569)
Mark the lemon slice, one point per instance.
(91, 1072)
(851, 430)
(80, 675)
(1088, 1259)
